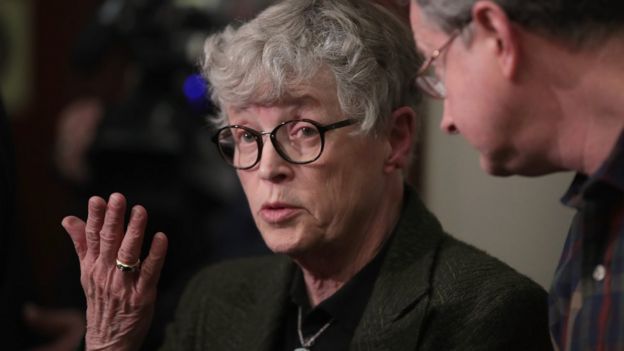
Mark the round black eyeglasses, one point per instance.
(298, 141)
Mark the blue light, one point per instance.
(195, 88)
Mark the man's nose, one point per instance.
(448, 124)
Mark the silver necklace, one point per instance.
(307, 343)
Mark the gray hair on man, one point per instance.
(576, 22)
(369, 51)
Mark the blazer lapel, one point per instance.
(394, 315)
(265, 320)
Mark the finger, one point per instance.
(95, 219)
(150, 270)
(112, 229)
(130, 250)
(75, 227)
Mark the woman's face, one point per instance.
(300, 209)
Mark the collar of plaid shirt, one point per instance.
(587, 294)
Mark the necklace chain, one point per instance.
(310, 341)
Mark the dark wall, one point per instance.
(41, 197)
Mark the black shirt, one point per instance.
(345, 308)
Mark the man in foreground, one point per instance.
(537, 87)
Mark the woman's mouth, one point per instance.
(278, 213)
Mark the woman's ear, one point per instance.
(401, 139)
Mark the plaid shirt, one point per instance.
(587, 294)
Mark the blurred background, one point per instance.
(103, 96)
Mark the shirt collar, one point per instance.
(346, 305)
(610, 174)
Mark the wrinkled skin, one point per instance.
(120, 305)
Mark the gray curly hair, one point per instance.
(370, 52)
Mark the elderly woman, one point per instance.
(317, 115)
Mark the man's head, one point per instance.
(572, 21)
(506, 74)
(343, 71)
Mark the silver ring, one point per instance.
(124, 267)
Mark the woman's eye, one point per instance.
(243, 136)
(248, 137)
(305, 132)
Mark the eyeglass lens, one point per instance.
(431, 84)
(296, 141)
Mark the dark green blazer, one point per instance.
(433, 293)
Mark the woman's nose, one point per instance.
(272, 166)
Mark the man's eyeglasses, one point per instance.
(427, 78)
(298, 141)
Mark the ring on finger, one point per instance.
(125, 267)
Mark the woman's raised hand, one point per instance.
(119, 288)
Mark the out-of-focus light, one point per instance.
(195, 88)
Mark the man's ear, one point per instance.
(401, 138)
(490, 21)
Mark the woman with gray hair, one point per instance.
(317, 115)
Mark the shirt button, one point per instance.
(599, 273)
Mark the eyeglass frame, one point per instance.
(322, 129)
(425, 86)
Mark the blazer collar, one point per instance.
(265, 320)
(398, 303)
